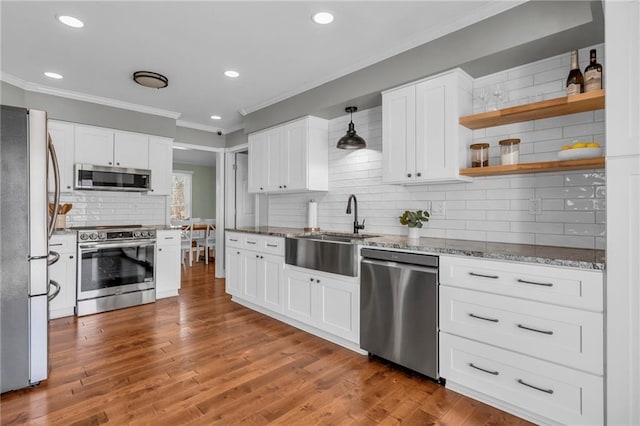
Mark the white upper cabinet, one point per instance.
(421, 139)
(292, 157)
(63, 138)
(94, 145)
(131, 150)
(160, 164)
(106, 147)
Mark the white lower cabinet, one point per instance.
(167, 263)
(254, 265)
(545, 391)
(321, 303)
(330, 304)
(64, 273)
(526, 338)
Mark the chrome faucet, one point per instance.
(356, 225)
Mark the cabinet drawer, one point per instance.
(269, 245)
(233, 240)
(564, 335)
(63, 243)
(560, 286)
(167, 238)
(549, 390)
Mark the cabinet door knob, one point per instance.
(311, 279)
(71, 257)
(418, 174)
(318, 281)
(285, 186)
(159, 249)
(68, 187)
(261, 188)
(110, 163)
(118, 164)
(408, 174)
(280, 186)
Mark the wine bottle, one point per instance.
(592, 74)
(575, 82)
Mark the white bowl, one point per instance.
(579, 153)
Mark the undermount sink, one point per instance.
(328, 252)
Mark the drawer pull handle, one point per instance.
(494, 277)
(484, 318)
(233, 239)
(251, 242)
(168, 238)
(534, 283)
(272, 245)
(495, 373)
(522, 382)
(549, 332)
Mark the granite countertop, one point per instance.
(547, 255)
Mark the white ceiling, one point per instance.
(275, 46)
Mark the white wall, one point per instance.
(114, 208)
(489, 209)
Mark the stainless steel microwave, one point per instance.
(101, 178)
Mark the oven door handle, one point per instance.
(87, 247)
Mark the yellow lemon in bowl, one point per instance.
(564, 148)
(593, 145)
(579, 145)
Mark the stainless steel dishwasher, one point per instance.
(399, 308)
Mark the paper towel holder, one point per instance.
(312, 223)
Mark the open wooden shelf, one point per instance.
(537, 110)
(541, 167)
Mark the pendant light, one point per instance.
(351, 140)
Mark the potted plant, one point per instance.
(414, 220)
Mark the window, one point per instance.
(181, 195)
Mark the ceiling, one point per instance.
(276, 48)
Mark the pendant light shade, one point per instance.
(351, 140)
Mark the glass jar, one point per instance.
(479, 154)
(509, 151)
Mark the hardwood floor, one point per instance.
(201, 359)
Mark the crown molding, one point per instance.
(198, 126)
(37, 88)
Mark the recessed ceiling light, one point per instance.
(215, 117)
(232, 74)
(54, 75)
(322, 18)
(71, 21)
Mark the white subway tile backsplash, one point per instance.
(487, 209)
(595, 230)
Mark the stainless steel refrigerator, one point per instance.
(25, 226)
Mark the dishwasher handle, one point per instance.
(401, 257)
(399, 265)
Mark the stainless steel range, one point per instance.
(116, 268)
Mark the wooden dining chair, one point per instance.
(208, 241)
(186, 240)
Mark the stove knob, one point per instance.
(152, 233)
(102, 235)
(145, 234)
(83, 236)
(137, 234)
(93, 236)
